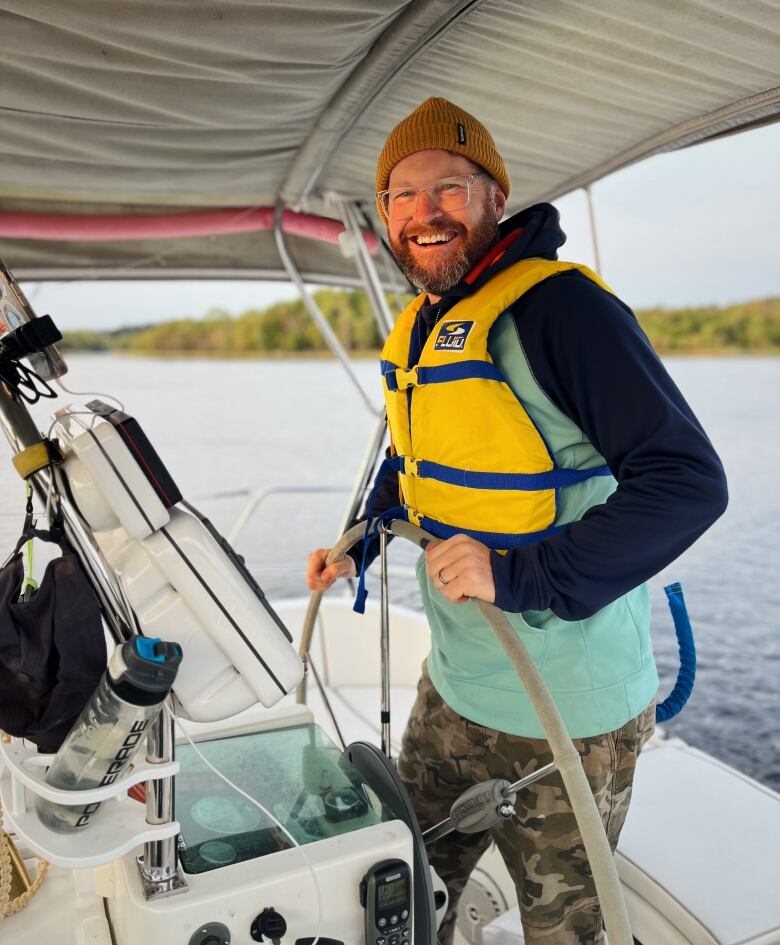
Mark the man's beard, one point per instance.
(438, 280)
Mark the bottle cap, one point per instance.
(142, 670)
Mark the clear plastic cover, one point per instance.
(297, 773)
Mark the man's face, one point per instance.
(469, 233)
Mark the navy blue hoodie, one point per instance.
(589, 355)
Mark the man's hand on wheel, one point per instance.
(319, 578)
(459, 568)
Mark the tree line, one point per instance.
(286, 328)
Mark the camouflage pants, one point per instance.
(443, 753)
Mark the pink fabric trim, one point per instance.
(70, 227)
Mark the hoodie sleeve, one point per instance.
(592, 359)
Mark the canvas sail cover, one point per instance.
(147, 106)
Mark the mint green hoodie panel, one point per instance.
(600, 671)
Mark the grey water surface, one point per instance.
(228, 428)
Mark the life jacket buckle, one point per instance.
(414, 516)
(406, 377)
(411, 466)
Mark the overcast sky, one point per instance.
(694, 227)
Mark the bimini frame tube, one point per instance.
(364, 477)
(384, 322)
(365, 473)
(376, 294)
(593, 233)
(313, 309)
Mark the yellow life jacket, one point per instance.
(470, 459)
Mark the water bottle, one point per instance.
(111, 728)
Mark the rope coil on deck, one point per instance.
(9, 906)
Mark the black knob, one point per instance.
(270, 924)
(212, 933)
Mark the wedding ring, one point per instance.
(441, 578)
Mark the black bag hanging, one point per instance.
(52, 646)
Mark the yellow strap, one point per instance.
(32, 459)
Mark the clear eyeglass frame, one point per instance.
(393, 210)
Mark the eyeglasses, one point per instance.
(449, 193)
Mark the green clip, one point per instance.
(29, 584)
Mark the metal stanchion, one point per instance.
(384, 642)
(159, 865)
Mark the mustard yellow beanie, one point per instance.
(438, 124)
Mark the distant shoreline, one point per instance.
(373, 355)
(223, 355)
(285, 330)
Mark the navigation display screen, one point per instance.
(394, 893)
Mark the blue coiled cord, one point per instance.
(687, 672)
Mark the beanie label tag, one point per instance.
(461, 134)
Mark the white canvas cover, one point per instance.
(139, 106)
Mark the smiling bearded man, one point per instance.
(536, 433)
(436, 274)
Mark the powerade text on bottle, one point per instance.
(111, 728)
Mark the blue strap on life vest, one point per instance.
(494, 540)
(687, 672)
(372, 528)
(523, 482)
(438, 373)
(529, 482)
(390, 464)
(554, 479)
